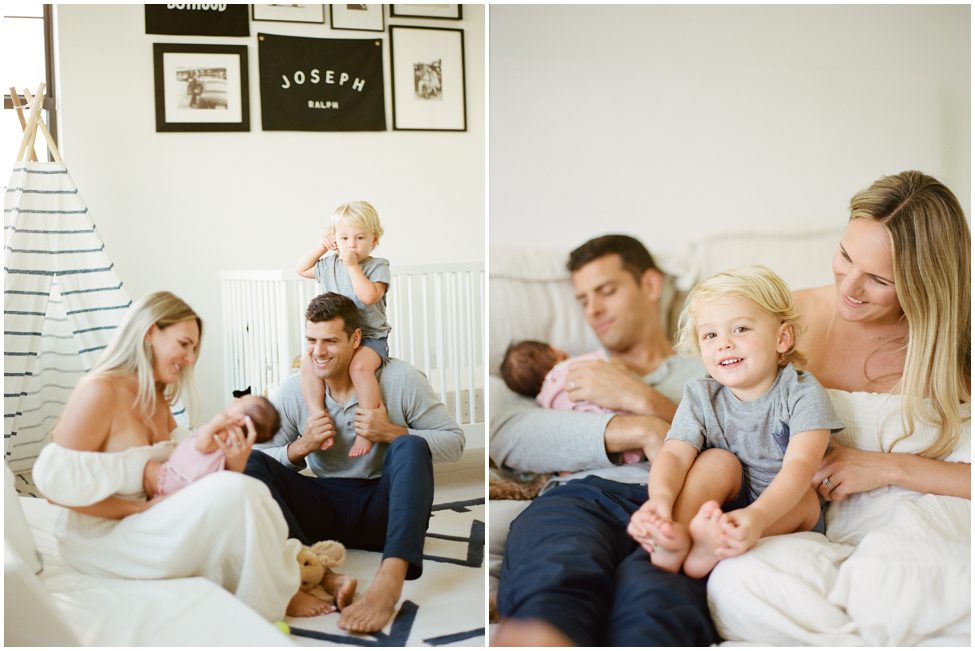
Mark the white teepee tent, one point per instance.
(62, 299)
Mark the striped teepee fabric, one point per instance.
(62, 303)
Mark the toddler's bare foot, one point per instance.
(705, 530)
(340, 586)
(360, 446)
(670, 542)
(305, 605)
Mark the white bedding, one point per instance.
(893, 569)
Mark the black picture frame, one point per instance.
(427, 71)
(438, 12)
(289, 14)
(372, 20)
(201, 87)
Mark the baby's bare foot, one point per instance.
(670, 542)
(705, 530)
(305, 605)
(360, 446)
(342, 587)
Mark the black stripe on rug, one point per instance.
(399, 633)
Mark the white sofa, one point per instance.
(49, 604)
(802, 589)
(531, 297)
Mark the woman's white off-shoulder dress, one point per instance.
(224, 527)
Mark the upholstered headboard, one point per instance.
(531, 295)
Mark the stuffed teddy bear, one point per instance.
(314, 562)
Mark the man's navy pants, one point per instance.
(569, 562)
(388, 514)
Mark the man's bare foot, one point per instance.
(528, 632)
(374, 609)
(360, 446)
(340, 586)
(670, 540)
(305, 605)
(705, 530)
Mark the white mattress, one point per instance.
(174, 612)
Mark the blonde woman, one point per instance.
(746, 439)
(117, 419)
(897, 320)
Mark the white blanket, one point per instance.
(894, 568)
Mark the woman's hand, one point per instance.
(850, 471)
(148, 504)
(236, 446)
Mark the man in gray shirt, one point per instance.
(378, 501)
(571, 574)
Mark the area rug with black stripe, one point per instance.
(444, 607)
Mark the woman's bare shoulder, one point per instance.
(87, 418)
(812, 304)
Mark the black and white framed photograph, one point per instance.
(427, 66)
(447, 12)
(201, 87)
(366, 18)
(197, 19)
(289, 13)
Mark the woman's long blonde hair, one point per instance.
(931, 247)
(129, 352)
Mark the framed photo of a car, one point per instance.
(201, 87)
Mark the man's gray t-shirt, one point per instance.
(410, 402)
(332, 276)
(758, 432)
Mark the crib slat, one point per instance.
(436, 312)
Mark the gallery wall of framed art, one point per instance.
(426, 68)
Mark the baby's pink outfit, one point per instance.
(555, 396)
(187, 464)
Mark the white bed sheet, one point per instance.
(893, 570)
(102, 611)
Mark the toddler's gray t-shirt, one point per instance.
(332, 276)
(758, 432)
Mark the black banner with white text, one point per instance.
(316, 84)
(198, 19)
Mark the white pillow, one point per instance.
(16, 531)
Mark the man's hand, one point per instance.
(374, 425)
(613, 387)
(319, 434)
(626, 432)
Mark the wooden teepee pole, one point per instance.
(31, 130)
(15, 100)
(51, 145)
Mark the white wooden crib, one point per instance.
(437, 315)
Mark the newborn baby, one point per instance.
(201, 455)
(537, 370)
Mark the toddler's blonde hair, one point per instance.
(360, 214)
(758, 284)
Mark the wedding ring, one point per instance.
(827, 483)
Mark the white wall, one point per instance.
(672, 122)
(174, 209)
